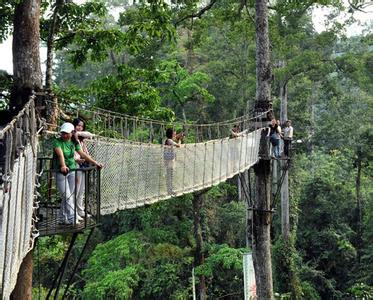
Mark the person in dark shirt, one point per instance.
(275, 135)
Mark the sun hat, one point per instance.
(67, 127)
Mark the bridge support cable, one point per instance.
(56, 284)
(283, 169)
(77, 263)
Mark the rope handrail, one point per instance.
(11, 124)
(105, 112)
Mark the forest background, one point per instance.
(196, 62)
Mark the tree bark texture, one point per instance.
(199, 257)
(26, 55)
(262, 210)
(358, 164)
(23, 288)
(285, 207)
(284, 102)
(263, 68)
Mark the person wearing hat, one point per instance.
(64, 148)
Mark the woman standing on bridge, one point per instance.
(80, 136)
(275, 136)
(63, 161)
(169, 156)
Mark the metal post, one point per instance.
(194, 285)
(248, 276)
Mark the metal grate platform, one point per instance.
(48, 223)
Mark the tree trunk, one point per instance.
(285, 207)
(23, 288)
(359, 205)
(261, 213)
(199, 257)
(27, 78)
(284, 102)
(183, 113)
(26, 55)
(53, 24)
(285, 221)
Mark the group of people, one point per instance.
(70, 154)
(276, 134)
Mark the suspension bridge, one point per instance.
(134, 173)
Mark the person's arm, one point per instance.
(291, 133)
(63, 168)
(85, 134)
(279, 131)
(88, 158)
(178, 144)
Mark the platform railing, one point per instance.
(50, 200)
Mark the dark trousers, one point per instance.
(287, 146)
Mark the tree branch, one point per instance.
(359, 7)
(197, 15)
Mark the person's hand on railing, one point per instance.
(64, 170)
(99, 165)
(80, 161)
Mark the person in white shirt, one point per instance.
(288, 137)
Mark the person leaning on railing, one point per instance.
(64, 163)
(80, 136)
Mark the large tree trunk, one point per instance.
(359, 209)
(27, 78)
(199, 257)
(262, 209)
(285, 220)
(23, 288)
(26, 55)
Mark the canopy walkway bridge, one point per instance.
(135, 173)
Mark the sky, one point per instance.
(319, 17)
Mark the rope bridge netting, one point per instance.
(17, 189)
(138, 168)
(137, 174)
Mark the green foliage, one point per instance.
(6, 18)
(181, 86)
(115, 254)
(361, 291)
(325, 236)
(6, 82)
(115, 284)
(286, 277)
(128, 266)
(223, 270)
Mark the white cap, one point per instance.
(67, 127)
